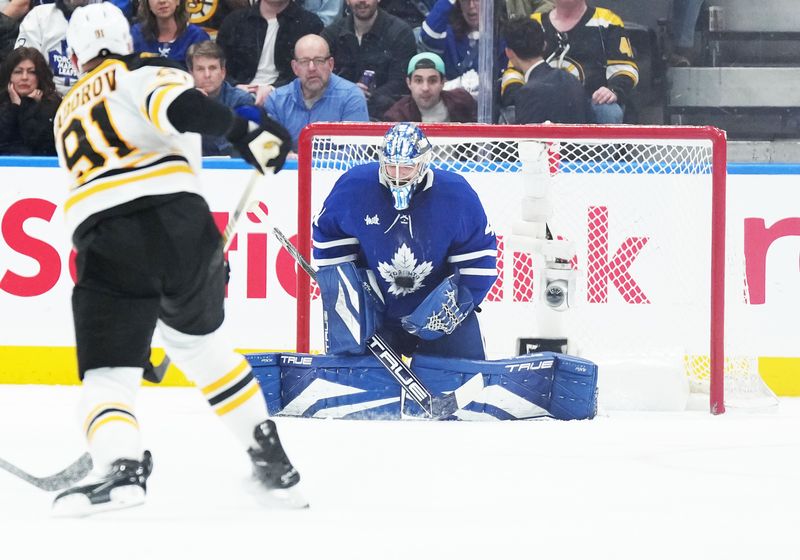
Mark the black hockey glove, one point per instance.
(261, 141)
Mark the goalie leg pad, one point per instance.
(561, 386)
(319, 386)
(351, 313)
(267, 371)
(543, 384)
(574, 392)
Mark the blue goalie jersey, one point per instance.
(410, 251)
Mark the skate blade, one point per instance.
(79, 505)
(279, 498)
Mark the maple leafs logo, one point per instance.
(403, 274)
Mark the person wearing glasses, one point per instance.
(316, 94)
(258, 43)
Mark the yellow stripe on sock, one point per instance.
(130, 421)
(96, 410)
(238, 401)
(226, 379)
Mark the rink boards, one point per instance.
(36, 337)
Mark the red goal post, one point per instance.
(646, 162)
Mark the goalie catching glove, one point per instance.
(261, 141)
(441, 312)
(351, 307)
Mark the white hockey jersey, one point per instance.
(113, 136)
(45, 29)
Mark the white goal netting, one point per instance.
(641, 215)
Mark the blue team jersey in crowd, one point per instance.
(174, 50)
(410, 251)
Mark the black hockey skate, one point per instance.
(125, 485)
(273, 470)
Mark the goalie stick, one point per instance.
(436, 407)
(67, 477)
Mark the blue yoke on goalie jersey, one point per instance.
(410, 251)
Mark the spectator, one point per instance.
(164, 30)
(28, 104)
(454, 33)
(681, 30)
(45, 29)
(210, 15)
(590, 43)
(11, 13)
(428, 102)
(327, 10)
(524, 8)
(259, 41)
(413, 12)
(206, 62)
(372, 41)
(316, 94)
(549, 94)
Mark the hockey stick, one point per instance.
(155, 374)
(437, 407)
(70, 475)
(244, 204)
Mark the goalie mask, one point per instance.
(98, 30)
(404, 160)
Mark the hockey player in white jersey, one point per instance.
(149, 255)
(420, 237)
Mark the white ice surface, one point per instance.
(625, 485)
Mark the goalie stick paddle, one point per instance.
(437, 407)
(67, 477)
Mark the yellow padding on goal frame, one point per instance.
(57, 365)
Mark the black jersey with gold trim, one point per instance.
(597, 51)
(208, 14)
(115, 140)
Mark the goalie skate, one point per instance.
(124, 486)
(274, 472)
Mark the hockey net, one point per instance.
(644, 211)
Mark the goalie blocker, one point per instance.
(358, 387)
